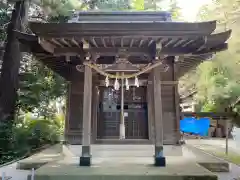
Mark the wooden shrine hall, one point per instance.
(123, 70)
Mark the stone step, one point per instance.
(123, 170)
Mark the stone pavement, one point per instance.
(188, 155)
(123, 162)
(220, 145)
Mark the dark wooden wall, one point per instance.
(74, 115)
(74, 112)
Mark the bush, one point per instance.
(29, 134)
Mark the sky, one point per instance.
(190, 8)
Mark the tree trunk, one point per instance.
(11, 63)
(9, 81)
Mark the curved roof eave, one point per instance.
(191, 62)
(214, 41)
(218, 38)
(145, 28)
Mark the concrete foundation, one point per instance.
(124, 169)
(126, 162)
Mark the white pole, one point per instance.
(32, 174)
(226, 150)
(3, 175)
(122, 123)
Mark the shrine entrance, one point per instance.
(135, 113)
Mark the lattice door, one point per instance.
(109, 113)
(136, 120)
(135, 109)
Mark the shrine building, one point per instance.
(122, 70)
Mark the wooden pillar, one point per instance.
(177, 104)
(158, 118)
(85, 159)
(95, 105)
(67, 111)
(150, 109)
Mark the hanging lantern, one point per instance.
(107, 81)
(136, 82)
(126, 83)
(116, 84)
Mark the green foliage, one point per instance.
(112, 5)
(4, 20)
(57, 7)
(138, 5)
(158, 5)
(38, 87)
(27, 135)
(175, 10)
(216, 86)
(236, 118)
(217, 81)
(6, 147)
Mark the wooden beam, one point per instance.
(203, 45)
(132, 42)
(218, 48)
(112, 41)
(65, 42)
(180, 41)
(46, 45)
(150, 42)
(122, 39)
(86, 44)
(111, 51)
(141, 42)
(75, 42)
(208, 114)
(94, 42)
(56, 42)
(170, 42)
(188, 42)
(103, 41)
(142, 82)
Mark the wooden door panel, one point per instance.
(136, 121)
